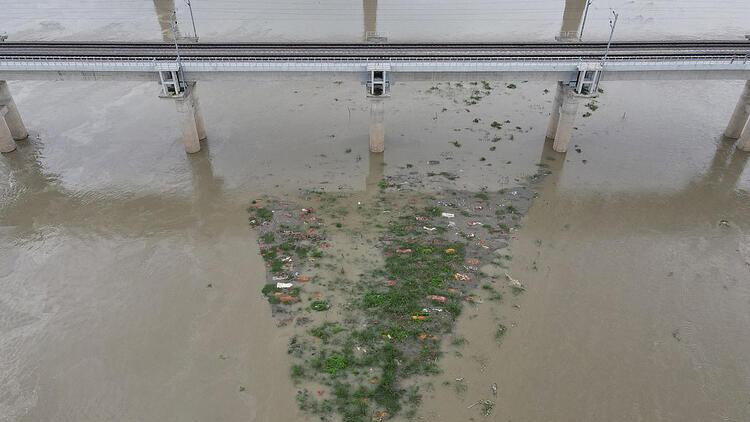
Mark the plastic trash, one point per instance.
(448, 215)
(281, 285)
(437, 298)
(461, 277)
(288, 299)
(512, 282)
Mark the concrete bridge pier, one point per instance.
(12, 116)
(164, 11)
(572, 22)
(7, 143)
(191, 120)
(200, 125)
(377, 127)
(555, 114)
(564, 110)
(739, 120)
(744, 142)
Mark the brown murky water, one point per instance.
(638, 299)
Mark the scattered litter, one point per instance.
(461, 277)
(284, 285)
(487, 406)
(514, 283)
(450, 251)
(474, 299)
(474, 223)
(380, 416)
(421, 218)
(279, 277)
(448, 215)
(390, 283)
(288, 299)
(429, 229)
(437, 298)
(426, 336)
(403, 251)
(419, 317)
(304, 278)
(724, 223)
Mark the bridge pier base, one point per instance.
(12, 116)
(377, 127)
(563, 117)
(7, 143)
(739, 118)
(191, 120)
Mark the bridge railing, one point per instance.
(701, 58)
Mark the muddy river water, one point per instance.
(130, 281)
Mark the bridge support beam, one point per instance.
(12, 116)
(740, 116)
(563, 118)
(191, 120)
(377, 127)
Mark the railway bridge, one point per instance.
(178, 67)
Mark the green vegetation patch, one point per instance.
(364, 358)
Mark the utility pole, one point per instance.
(585, 14)
(612, 25)
(192, 18)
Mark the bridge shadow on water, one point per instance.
(709, 197)
(38, 198)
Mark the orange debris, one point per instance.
(437, 298)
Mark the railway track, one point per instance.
(166, 51)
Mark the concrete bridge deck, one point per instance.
(389, 51)
(452, 61)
